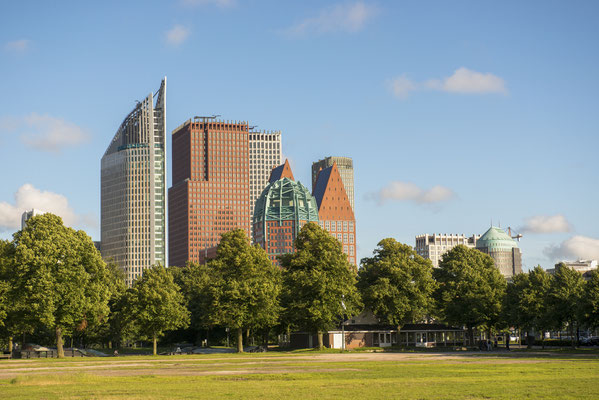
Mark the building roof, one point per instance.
(331, 196)
(321, 184)
(285, 200)
(280, 172)
(495, 239)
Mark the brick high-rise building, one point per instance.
(133, 189)
(210, 193)
(335, 212)
(345, 165)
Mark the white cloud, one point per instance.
(44, 132)
(546, 224)
(408, 191)
(177, 35)
(18, 46)
(463, 81)
(346, 17)
(28, 197)
(577, 247)
(218, 3)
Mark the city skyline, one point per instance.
(453, 114)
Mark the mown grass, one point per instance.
(565, 377)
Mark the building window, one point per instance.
(345, 238)
(344, 226)
(340, 237)
(351, 237)
(327, 225)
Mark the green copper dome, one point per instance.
(496, 240)
(285, 200)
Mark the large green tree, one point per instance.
(396, 284)
(319, 285)
(244, 287)
(58, 278)
(526, 299)
(590, 302)
(470, 289)
(565, 299)
(155, 304)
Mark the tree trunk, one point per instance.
(572, 335)
(154, 341)
(265, 337)
(240, 340)
(59, 343)
(10, 344)
(320, 342)
(471, 336)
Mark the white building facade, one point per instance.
(435, 245)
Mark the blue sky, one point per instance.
(455, 113)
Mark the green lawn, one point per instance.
(307, 376)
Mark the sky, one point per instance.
(457, 114)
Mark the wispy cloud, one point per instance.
(408, 191)
(463, 80)
(546, 224)
(18, 46)
(218, 3)
(177, 35)
(345, 17)
(28, 197)
(577, 247)
(44, 132)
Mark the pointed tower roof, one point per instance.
(330, 195)
(280, 172)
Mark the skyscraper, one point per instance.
(335, 213)
(133, 189)
(282, 209)
(210, 193)
(265, 154)
(345, 165)
(434, 246)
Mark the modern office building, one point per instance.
(434, 246)
(210, 193)
(335, 212)
(503, 249)
(281, 211)
(133, 189)
(265, 154)
(585, 267)
(29, 214)
(345, 165)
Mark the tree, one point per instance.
(244, 287)
(318, 282)
(58, 277)
(591, 301)
(525, 303)
(155, 304)
(396, 284)
(470, 289)
(565, 298)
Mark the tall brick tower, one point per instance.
(335, 212)
(210, 193)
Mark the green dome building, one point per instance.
(503, 249)
(282, 209)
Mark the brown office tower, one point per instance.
(210, 192)
(335, 211)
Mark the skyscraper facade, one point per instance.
(210, 193)
(281, 211)
(133, 189)
(335, 213)
(265, 153)
(345, 166)
(434, 246)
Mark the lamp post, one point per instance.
(343, 324)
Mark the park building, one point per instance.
(210, 192)
(503, 249)
(345, 166)
(335, 212)
(281, 211)
(133, 189)
(434, 246)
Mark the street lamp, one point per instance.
(343, 324)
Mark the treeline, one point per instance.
(53, 281)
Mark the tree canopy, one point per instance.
(244, 287)
(470, 290)
(396, 284)
(319, 283)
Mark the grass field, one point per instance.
(308, 375)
